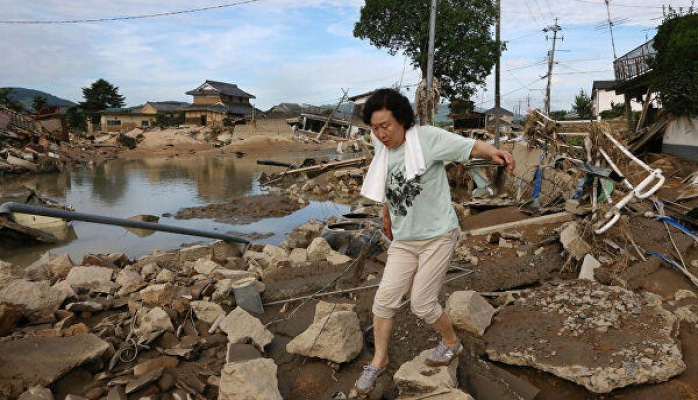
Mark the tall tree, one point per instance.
(39, 102)
(464, 52)
(582, 105)
(674, 68)
(100, 95)
(8, 101)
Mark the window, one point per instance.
(145, 123)
(113, 122)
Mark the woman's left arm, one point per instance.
(488, 152)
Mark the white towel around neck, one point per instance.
(374, 183)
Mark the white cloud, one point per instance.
(293, 50)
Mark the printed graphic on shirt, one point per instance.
(401, 192)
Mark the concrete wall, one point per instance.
(604, 98)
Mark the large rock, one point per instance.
(155, 320)
(206, 311)
(130, 281)
(205, 267)
(39, 299)
(157, 295)
(469, 312)
(336, 337)
(318, 250)
(249, 380)
(39, 361)
(89, 277)
(240, 327)
(600, 337)
(416, 378)
(275, 252)
(60, 265)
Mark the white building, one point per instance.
(603, 96)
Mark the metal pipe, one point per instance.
(9, 208)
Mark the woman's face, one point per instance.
(387, 129)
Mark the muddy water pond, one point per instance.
(160, 187)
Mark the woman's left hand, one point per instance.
(487, 151)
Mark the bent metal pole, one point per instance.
(9, 208)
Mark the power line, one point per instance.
(623, 5)
(142, 16)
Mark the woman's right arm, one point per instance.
(387, 223)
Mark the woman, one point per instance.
(408, 176)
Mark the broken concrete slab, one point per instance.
(588, 266)
(39, 361)
(336, 337)
(240, 327)
(607, 337)
(572, 241)
(251, 379)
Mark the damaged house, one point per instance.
(636, 80)
(217, 102)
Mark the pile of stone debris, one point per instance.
(43, 145)
(570, 289)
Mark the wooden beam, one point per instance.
(546, 219)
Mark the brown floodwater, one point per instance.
(125, 188)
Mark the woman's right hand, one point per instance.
(387, 227)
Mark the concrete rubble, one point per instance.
(588, 316)
(171, 325)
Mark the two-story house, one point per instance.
(214, 102)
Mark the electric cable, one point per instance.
(132, 17)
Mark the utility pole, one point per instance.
(327, 123)
(496, 79)
(551, 60)
(430, 61)
(610, 27)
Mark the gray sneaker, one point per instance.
(443, 355)
(367, 380)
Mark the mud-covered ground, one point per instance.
(498, 269)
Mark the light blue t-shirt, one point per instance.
(421, 208)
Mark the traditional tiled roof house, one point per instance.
(214, 102)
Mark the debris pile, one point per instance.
(563, 264)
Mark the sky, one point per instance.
(298, 51)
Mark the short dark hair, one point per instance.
(391, 100)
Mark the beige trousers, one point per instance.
(419, 265)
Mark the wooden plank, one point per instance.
(321, 167)
(545, 219)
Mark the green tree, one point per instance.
(77, 120)
(582, 105)
(674, 67)
(464, 52)
(9, 102)
(99, 96)
(39, 102)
